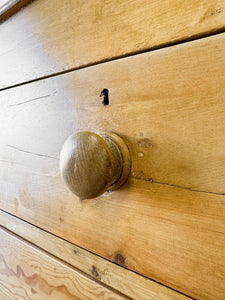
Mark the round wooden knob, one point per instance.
(92, 164)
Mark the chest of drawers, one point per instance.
(161, 234)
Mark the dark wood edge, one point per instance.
(12, 8)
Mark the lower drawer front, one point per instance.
(28, 273)
(167, 222)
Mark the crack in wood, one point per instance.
(31, 100)
(29, 152)
(178, 186)
(134, 177)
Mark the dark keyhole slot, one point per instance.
(105, 95)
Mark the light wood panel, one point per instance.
(171, 235)
(28, 273)
(53, 36)
(169, 104)
(125, 281)
(171, 229)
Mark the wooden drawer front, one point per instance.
(167, 222)
(28, 273)
(128, 283)
(48, 37)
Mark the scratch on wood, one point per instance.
(24, 102)
(211, 12)
(29, 152)
(218, 11)
(220, 232)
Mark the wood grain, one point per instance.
(54, 36)
(169, 105)
(117, 277)
(28, 273)
(171, 235)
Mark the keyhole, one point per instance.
(105, 95)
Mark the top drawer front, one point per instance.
(167, 222)
(48, 37)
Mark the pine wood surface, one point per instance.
(48, 37)
(28, 273)
(115, 276)
(167, 222)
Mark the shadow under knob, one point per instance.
(91, 164)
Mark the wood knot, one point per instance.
(119, 259)
(94, 271)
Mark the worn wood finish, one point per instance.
(171, 235)
(117, 277)
(28, 273)
(92, 164)
(53, 36)
(9, 7)
(170, 106)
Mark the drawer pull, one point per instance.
(92, 164)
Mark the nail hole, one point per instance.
(105, 95)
